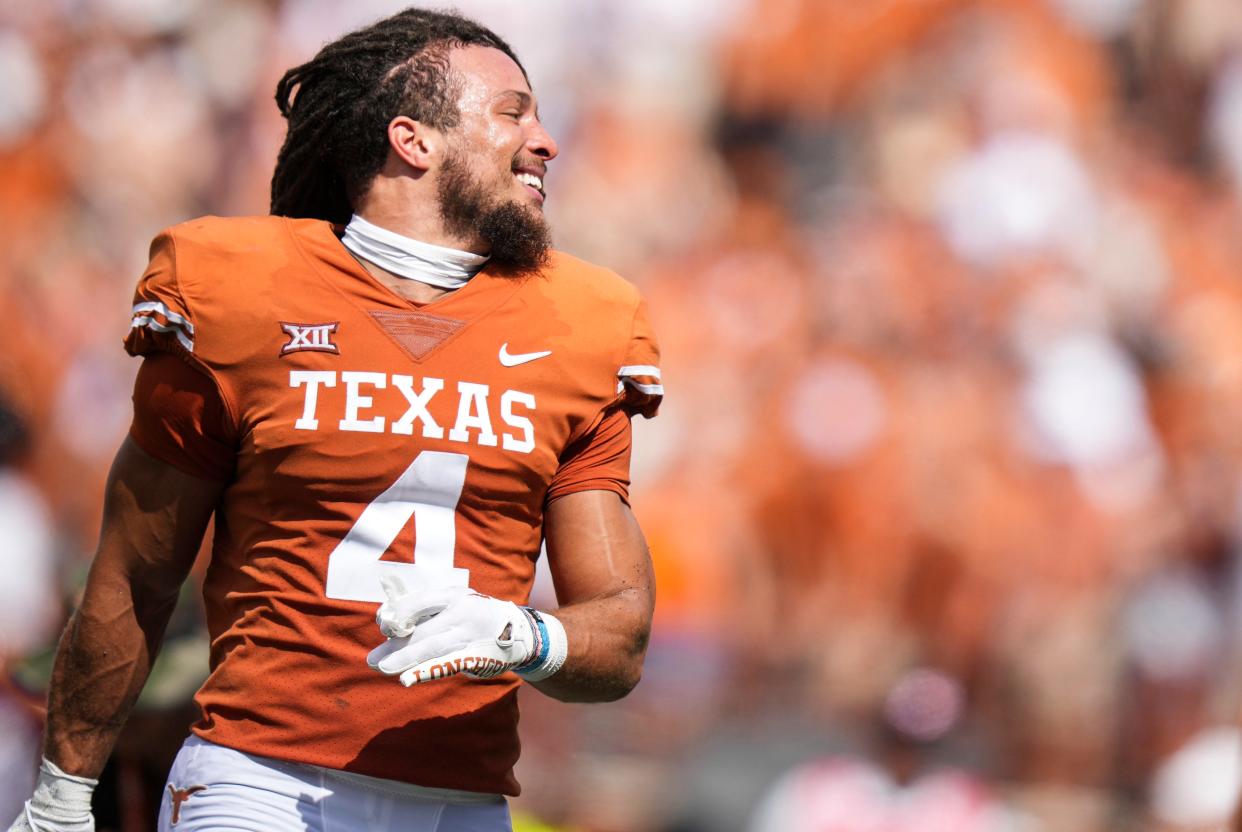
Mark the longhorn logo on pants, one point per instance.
(180, 796)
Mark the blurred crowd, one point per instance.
(944, 498)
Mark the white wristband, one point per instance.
(552, 648)
(60, 799)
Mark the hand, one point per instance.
(437, 633)
(61, 803)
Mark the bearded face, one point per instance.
(473, 202)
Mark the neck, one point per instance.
(416, 216)
(402, 256)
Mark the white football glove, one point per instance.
(437, 633)
(61, 803)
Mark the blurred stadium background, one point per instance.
(944, 500)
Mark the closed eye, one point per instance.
(514, 104)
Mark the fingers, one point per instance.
(391, 618)
(399, 654)
(403, 611)
(394, 589)
(393, 623)
(435, 633)
(383, 651)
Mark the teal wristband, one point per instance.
(542, 644)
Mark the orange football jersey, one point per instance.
(375, 436)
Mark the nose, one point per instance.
(540, 142)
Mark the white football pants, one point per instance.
(212, 787)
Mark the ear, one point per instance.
(413, 142)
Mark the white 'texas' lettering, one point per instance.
(472, 413)
(507, 400)
(472, 422)
(418, 406)
(312, 379)
(355, 401)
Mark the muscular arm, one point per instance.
(154, 518)
(603, 576)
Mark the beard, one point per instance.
(517, 235)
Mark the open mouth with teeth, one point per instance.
(532, 182)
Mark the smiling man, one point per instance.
(390, 393)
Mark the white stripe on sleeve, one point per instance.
(639, 370)
(173, 317)
(150, 323)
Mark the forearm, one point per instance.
(607, 642)
(605, 582)
(102, 663)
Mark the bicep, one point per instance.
(596, 549)
(153, 523)
(166, 479)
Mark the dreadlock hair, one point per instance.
(337, 139)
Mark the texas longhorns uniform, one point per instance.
(360, 435)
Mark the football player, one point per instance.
(390, 393)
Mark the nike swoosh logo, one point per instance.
(510, 360)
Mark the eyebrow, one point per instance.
(524, 98)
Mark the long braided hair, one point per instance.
(337, 139)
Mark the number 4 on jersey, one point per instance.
(429, 489)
